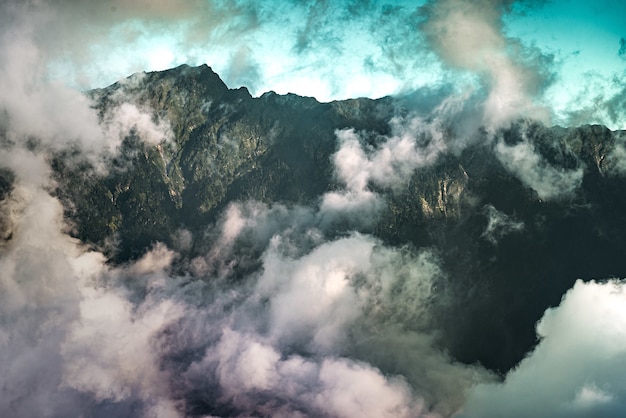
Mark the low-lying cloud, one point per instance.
(499, 224)
(289, 339)
(275, 315)
(527, 164)
(363, 165)
(575, 369)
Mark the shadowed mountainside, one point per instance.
(507, 253)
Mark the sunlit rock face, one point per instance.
(513, 217)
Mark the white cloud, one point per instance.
(303, 332)
(127, 118)
(62, 332)
(320, 282)
(617, 156)
(308, 327)
(38, 110)
(414, 143)
(372, 395)
(469, 35)
(247, 367)
(534, 171)
(38, 297)
(575, 370)
(110, 351)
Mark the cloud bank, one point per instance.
(575, 369)
(300, 336)
(316, 325)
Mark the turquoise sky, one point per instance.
(565, 54)
(584, 37)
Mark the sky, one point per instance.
(566, 57)
(149, 338)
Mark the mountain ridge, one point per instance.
(514, 218)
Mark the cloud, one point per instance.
(48, 319)
(38, 297)
(281, 314)
(261, 46)
(367, 163)
(131, 32)
(325, 332)
(352, 168)
(388, 163)
(320, 281)
(37, 108)
(251, 373)
(622, 48)
(48, 114)
(316, 48)
(109, 352)
(524, 161)
(499, 224)
(64, 334)
(600, 101)
(245, 229)
(300, 331)
(575, 369)
(617, 156)
(244, 68)
(469, 36)
(127, 118)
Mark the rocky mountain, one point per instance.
(514, 217)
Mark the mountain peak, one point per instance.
(533, 208)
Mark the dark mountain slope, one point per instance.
(507, 253)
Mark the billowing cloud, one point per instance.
(469, 35)
(36, 108)
(316, 48)
(127, 118)
(550, 182)
(312, 326)
(275, 314)
(262, 46)
(388, 162)
(65, 331)
(575, 369)
(246, 369)
(109, 352)
(305, 332)
(50, 114)
(617, 156)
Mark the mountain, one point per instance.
(514, 217)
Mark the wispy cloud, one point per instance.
(469, 36)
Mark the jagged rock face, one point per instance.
(226, 146)
(507, 251)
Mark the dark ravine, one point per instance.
(228, 146)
